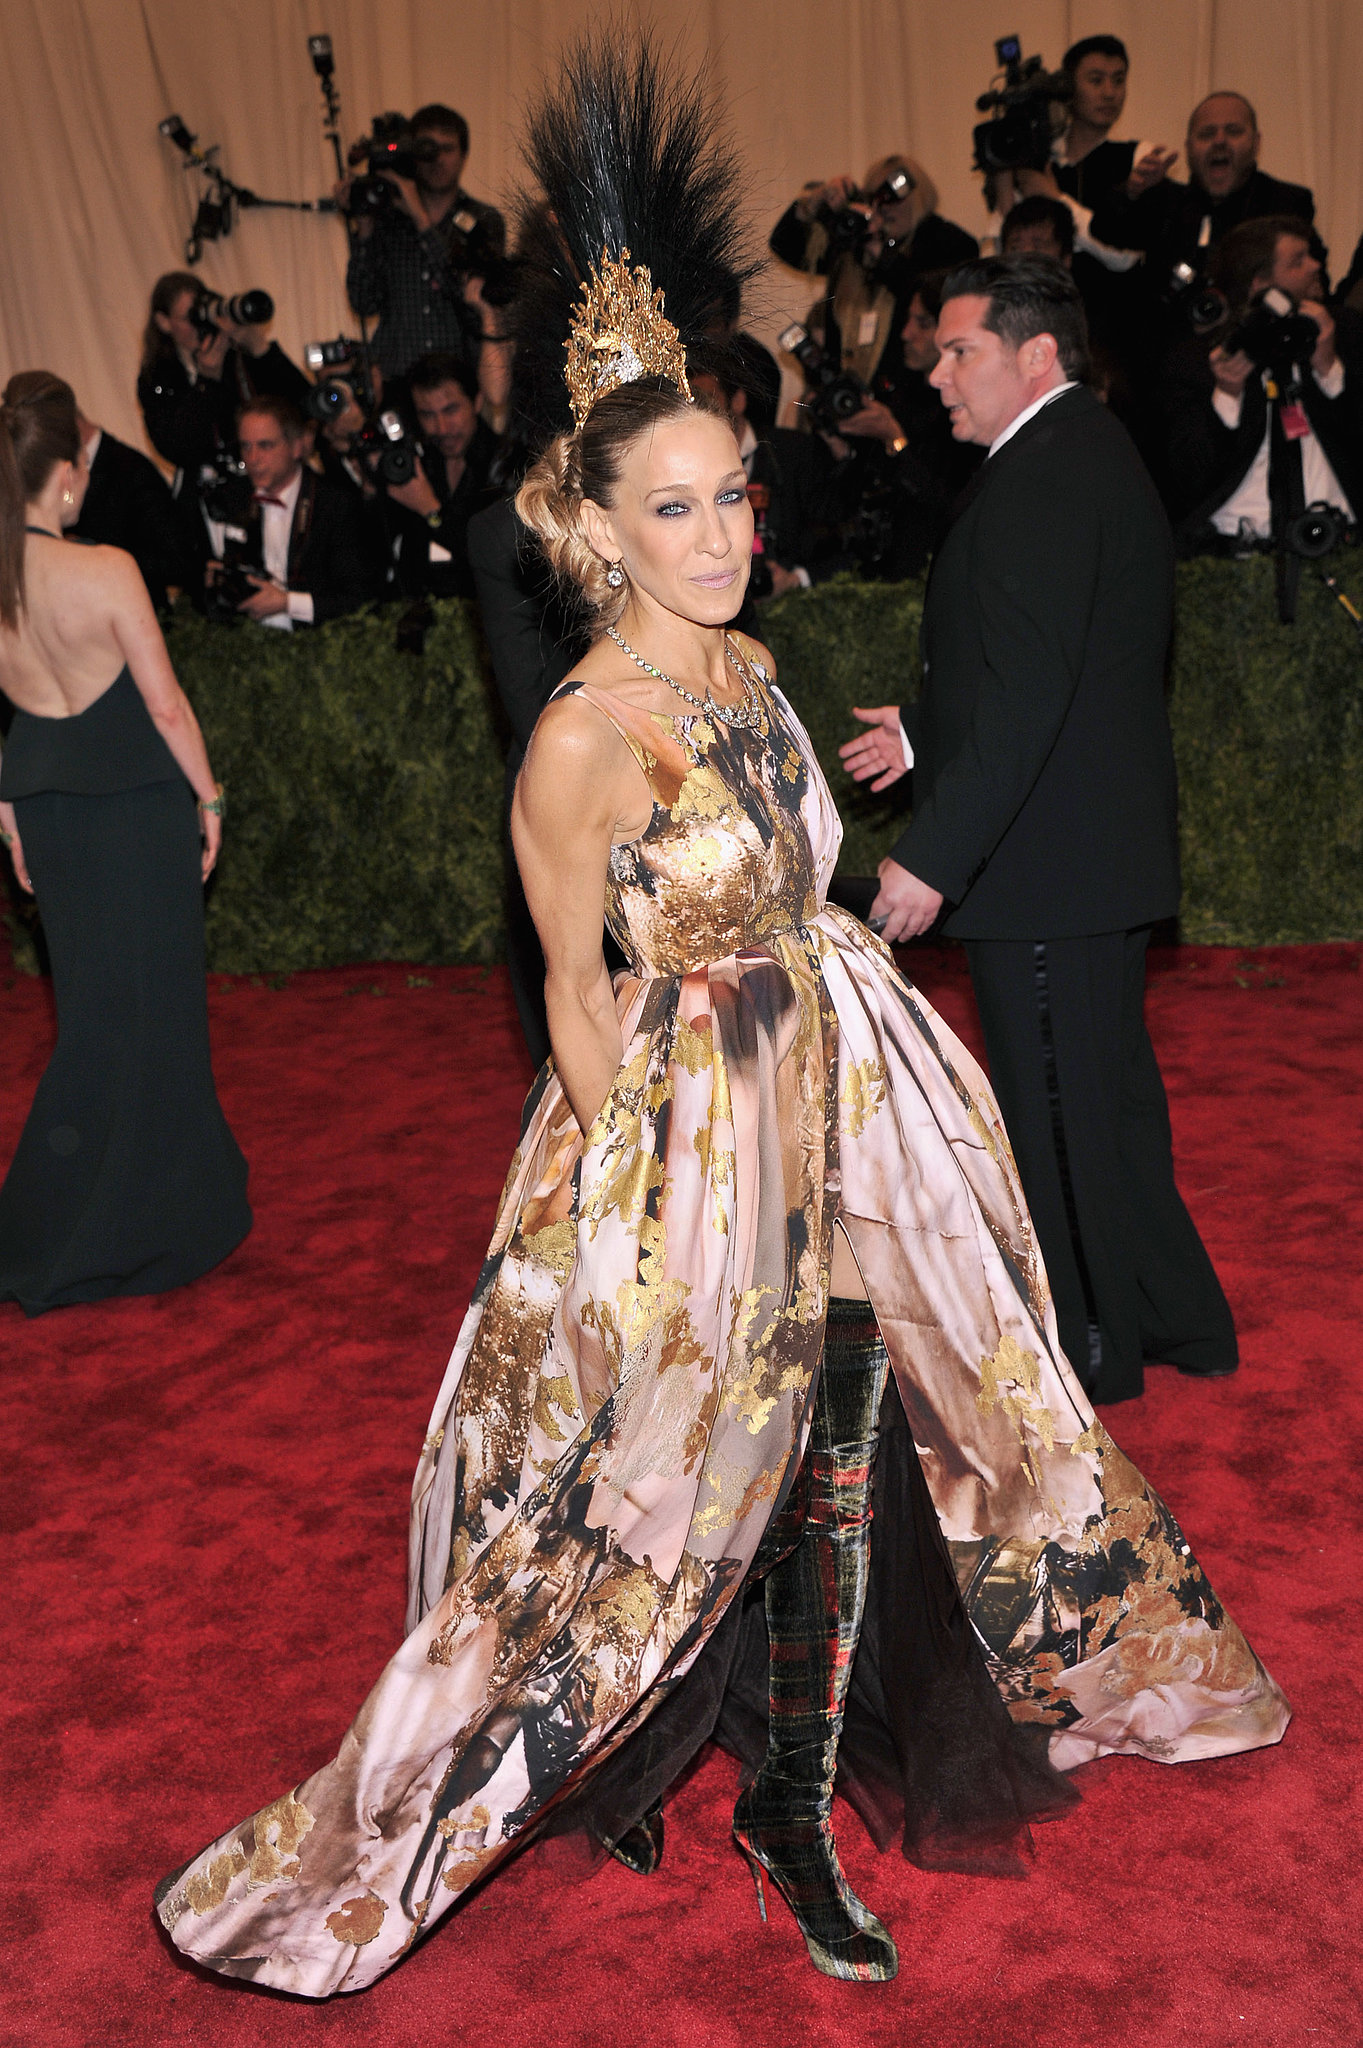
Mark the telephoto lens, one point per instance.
(249, 309)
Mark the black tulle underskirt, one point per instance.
(929, 1754)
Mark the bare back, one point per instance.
(82, 620)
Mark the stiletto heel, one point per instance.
(756, 1869)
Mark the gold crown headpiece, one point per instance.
(619, 334)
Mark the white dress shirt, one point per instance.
(276, 528)
(1248, 504)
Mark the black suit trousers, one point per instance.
(1080, 1089)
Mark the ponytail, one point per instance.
(11, 528)
(38, 429)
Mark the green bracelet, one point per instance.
(215, 805)
(6, 838)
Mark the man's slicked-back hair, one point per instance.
(429, 372)
(1093, 46)
(1028, 295)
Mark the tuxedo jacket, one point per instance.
(1044, 789)
(1206, 461)
(331, 548)
(533, 638)
(128, 505)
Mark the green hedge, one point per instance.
(365, 785)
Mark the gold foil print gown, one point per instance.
(630, 1388)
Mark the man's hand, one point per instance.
(9, 836)
(1326, 355)
(879, 752)
(1231, 373)
(211, 354)
(410, 200)
(1034, 184)
(253, 341)
(875, 421)
(417, 495)
(905, 906)
(268, 598)
(782, 580)
(1154, 165)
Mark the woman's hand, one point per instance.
(210, 825)
(9, 835)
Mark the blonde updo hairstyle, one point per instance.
(587, 465)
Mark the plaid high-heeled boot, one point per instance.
(814, 1602)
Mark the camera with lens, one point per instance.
(1201, 304)
(1273, 334)
(340, 374)
(1022, 124)
(1317, 531)
(834, 394)
(228, 589)
(225, 493)
(394, 146)
(243, 309)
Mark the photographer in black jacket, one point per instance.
(872, 252)
(1264, 418)
(454, 480)
(195, 375)
(410, 263)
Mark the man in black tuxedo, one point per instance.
(306, 533)
(534, 641)
(1044, 813)
(128, 505)
(1247, 448)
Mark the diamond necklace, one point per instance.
(746, 713)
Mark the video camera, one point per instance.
(394, 146)
(226, 494)
(383, 443)
(835, 394)
(244, 309)
(1021, 127)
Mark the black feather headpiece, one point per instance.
(633, 164)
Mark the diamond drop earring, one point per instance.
(615, 575)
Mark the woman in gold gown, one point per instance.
(649, 1396)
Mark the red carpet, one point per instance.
(204, 1501)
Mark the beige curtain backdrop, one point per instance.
(96, 205)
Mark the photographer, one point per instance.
(302, 555)
(1269, 419)
(873, 252)
(452, 482)
(906, 468)
(344, 450)
(410, 262)
(198, 367)
(1178, 224)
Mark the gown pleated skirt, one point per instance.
(127, 1179)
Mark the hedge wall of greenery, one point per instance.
(365, 785)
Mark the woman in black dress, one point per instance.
(127, 1179)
